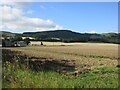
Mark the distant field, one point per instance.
(62, 43)
(28, 37)
(99, 59)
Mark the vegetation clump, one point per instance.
(118, 66)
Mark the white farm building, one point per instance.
(21, 44)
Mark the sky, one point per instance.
(82, 17)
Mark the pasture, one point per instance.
(95, 64)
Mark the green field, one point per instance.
(96, 66)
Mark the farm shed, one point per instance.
(7, 43)
(21, 44)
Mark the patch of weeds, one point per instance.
(105, 70)
(118, 66)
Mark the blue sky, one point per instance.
(89, 17)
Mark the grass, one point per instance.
(15, 77)
(0, 75)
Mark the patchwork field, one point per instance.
(84, 61)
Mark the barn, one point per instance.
(6, 43)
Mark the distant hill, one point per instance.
(63, 34)
(54, 34)
(9, 34)
(68, 36)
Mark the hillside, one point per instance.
(8, 34)
(67, 36)
(70, 36)
(54, 34)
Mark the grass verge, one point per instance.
(16, 77)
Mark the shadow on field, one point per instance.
(38, 64)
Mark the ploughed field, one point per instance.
(73, 60)
(88, 53)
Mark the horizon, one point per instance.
(61, 30)
(81, 17)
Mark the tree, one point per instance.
(41, 43)
(27, 41)
(17, 38)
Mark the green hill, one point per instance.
(67, 36)
(8, 34)
(70, 36)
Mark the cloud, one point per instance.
(29, 12)
(43, 7)
(16, 4)
(13, 18)
(92, 31)
(8, 1)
